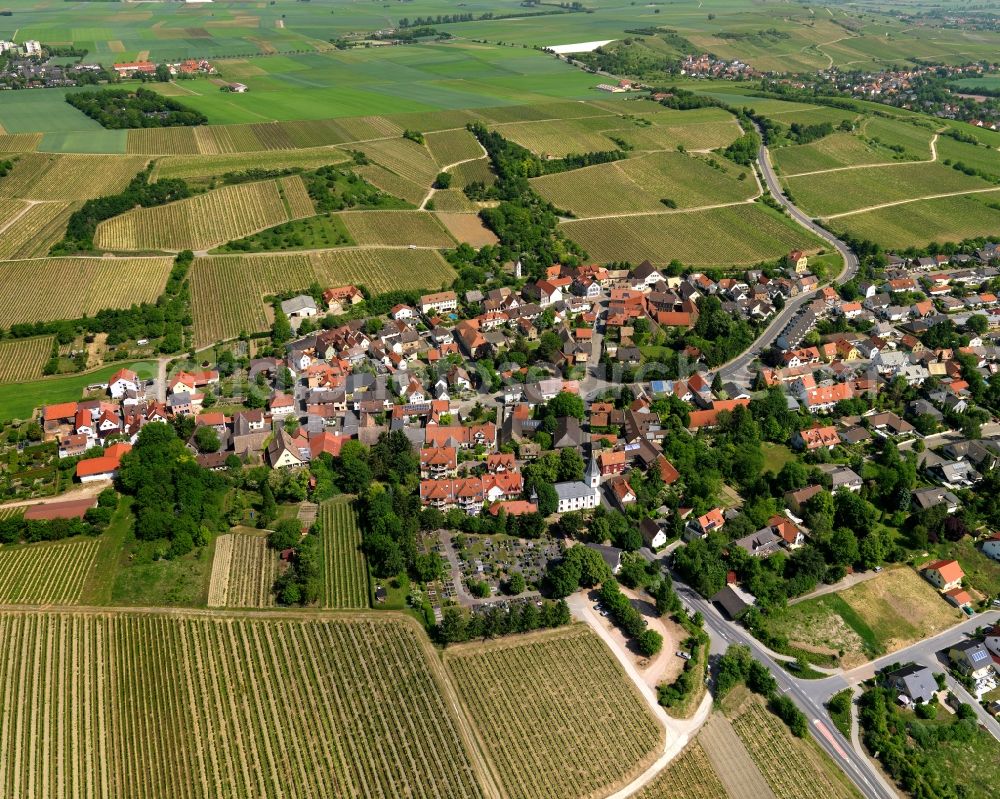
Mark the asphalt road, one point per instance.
(738, 368)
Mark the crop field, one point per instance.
(794, 768)
(639, 185)
(915, 138)
(396, 228)
(243, 572)
(227, 290)
(209, 707)
(67, 288)
(345, 575)
(853, 189)
(42, 574)
(689, 776)
(23, 358)
(738, 234)
(921, 222)
(47, 176)
(873, 618)
(35, 231)
(555, 713)
(562, 137)
(452, 146)
(203, 221)
(19, 142)
(393, 184)
(205, 166)
(830, 152)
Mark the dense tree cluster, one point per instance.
(334, 189)
(174, 497)
(142, 108)
(630, 620)
(460, 624)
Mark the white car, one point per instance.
(683, 655)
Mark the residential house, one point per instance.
(653, 534)
(944, 574)
(972, 659)
(703, 525)
(103, 467)
(914, 682)
(816, 438)
(438, 302)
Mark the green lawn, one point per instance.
(97, 588)
(776, 456)
(42, 110)
(145, 580)
(19, 400)
(314, 233)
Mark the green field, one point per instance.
(919, 223)
(345, 574)
(18, 400)
(850, 190)
(739, 234)
(641, 184)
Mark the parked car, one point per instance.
(682, 654)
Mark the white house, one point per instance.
(122, 382)
(300, 307)
(992, 546)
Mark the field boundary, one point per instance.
(931, 160)
(909, 200)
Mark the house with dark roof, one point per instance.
(915, 683)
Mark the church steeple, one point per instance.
(593, 475)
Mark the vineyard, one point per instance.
(396, 228)
(297, 200)
(451, 146)
(478, 171)
(67, 288)
(200, 222)
(96, 706)
(689, 776)
(562, 137)
(19, 142)
(641, 184)
(46, 176)
(405, 158)
(830, 152)
(345, 579)
(555, 713)
(42, 574)
(243, 572)
(393, 184)
(921, 222)
(161, 141)
(840, 192)
(794, 768)
(23, 358)
(738, 234)
(36, 230)
(227, 291)
(453, 201)
(203, 166)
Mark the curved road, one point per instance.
(738, 369)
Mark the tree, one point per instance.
(268, 507)
(565, 404)
(286, 534)
(442, 181)
(571, 466)
(515, 584)
(977, 323)
(853, 512)
(163, 73)
(206, 439)
(281, 330)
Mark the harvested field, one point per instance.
(452, 146)
(35, 231)
(243, 572)
(739, 234)
(396, 228)
(639, 185)
(42, 574)
(795, 768)
(921, 222)
(689, 776)
(467, 228)
(555, 713)
(23, 358)
(210, 707)
(227, 291)
(203, 221)
(839, 192)
(733, 764)
(873, 618)
(345, 574)
(48, 176)
(204, 166)
(67, 288)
